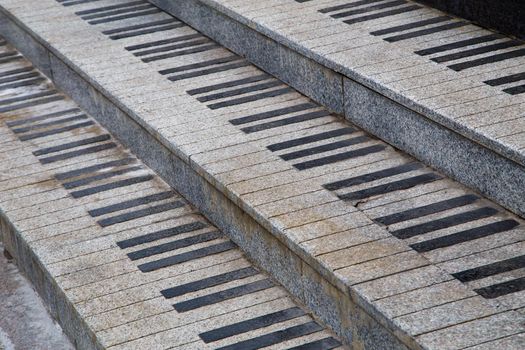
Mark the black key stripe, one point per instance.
(163, 42)
(10, 59)
(47, 124)
(286, 121)
(203, 64)
(155, 236)
(131, 203)
(501, 289)
(411, 25)
(181, 243)
(251, 98)
(218, 297)
(445, 222)
(486, 60)
(98, 177)
(70, 145)
(108, 8)
(33, 103)
(491, 269)
(275, 337)
(19, 77)
(251, 324)
(369, 9)
(382, 14)
(322, 344)
(127, 16)
(424, 32)
(464, 236)
(228, 84)
(8, 101)
(240, 91)
(391, 187)
(140, 213)
(209, 282)
(8, 54)
(78, 153)
(324, 148)
(339, 157)
(16, 71)
(184, 257)
(93, 168)
(209, 71)
(196, 49)
(271, 114)
(376, 175)
(22, 83)
(110, 186)
(77, 2)
(476, 51)
(140, 26)
(427, 210)
(149, 30)
(458, 44)
(309, 139)
(117, 12)
(42, 117)
(347, 6)
(515, 90)
(189, 43)
(33, 136)
(506, 80)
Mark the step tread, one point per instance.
(339, 237)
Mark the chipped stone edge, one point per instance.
(349, 314)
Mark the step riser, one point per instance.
(486, 171)
(54, 298)
(350, 320)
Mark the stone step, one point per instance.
(122, 260)
(385, 250)
(440, 88)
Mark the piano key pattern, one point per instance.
(481, 50)
(162, 231)
(454, 229)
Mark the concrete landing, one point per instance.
(25, 323)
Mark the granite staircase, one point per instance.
(226, 174)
